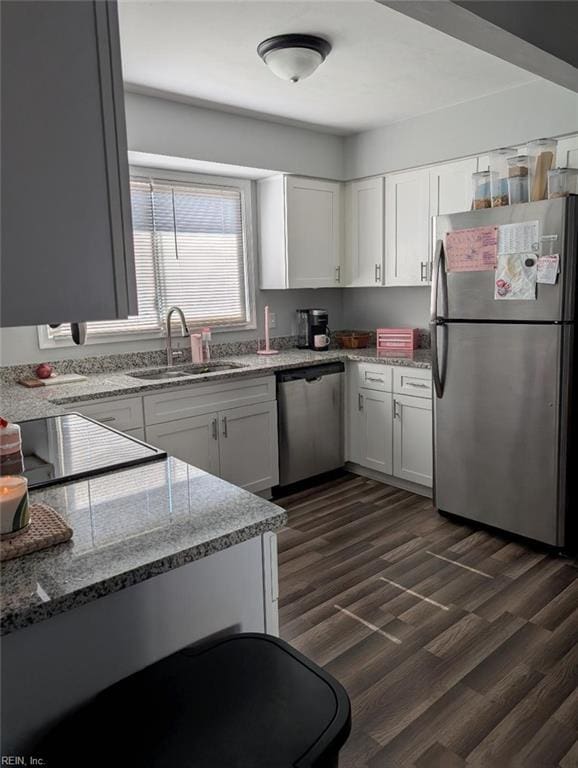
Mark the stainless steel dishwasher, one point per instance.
(310, 405)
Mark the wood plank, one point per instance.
(490, 682)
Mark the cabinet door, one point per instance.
(451, 187)
(66, 219)
(407, 227)
(412, 439)
(248, 446)
(450, 191)
(371, 430)
(567, 154)
(313, 231)
(364, 219)
(194, 440)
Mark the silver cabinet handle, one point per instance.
(360, 402)
(106, 419)
(413, 384)
(376, 272)
(379, 273)
(225, 431)
(215, 429)
(338, 274)
(396, 410)
(373, 378)
(423, 271)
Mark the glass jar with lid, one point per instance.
(499, 175)
(482, 196)
(542, 155)
(518, 187)
(562, 182)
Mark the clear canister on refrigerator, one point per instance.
(562, 182)
(481, 190)
(541, 155)
(499, 175)
(518, 188)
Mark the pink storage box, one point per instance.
(397, 338)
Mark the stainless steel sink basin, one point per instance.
(194, 369)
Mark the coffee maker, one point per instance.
(312, 330)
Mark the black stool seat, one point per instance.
(243, 701)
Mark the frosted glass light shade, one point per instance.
(293, 57)
(293, 64)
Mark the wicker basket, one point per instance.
(353, 339)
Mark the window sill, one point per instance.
(45, 342)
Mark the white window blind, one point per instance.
(189, 245)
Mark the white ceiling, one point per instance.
(384, 66)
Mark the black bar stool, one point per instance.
(243, 701)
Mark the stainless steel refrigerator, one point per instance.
(505, 414)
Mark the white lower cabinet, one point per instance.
(412, 439)
(371, 430)
(248, 446)
(388, 431)
(138, 433)
(238, 444)
(194, 440)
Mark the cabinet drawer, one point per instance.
(120, 414)
(203, 398)
(375, 377)
(412, 381)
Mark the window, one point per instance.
(190, 249)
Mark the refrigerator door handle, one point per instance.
(435, 320)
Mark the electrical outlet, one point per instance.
(272, 320)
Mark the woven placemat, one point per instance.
(46, 529)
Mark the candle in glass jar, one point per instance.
(14, 511)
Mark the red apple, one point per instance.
(44, 371)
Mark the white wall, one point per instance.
(171, 128)
(160, 126)
(370, 308)
(511, 117)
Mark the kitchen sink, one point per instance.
(194, 369)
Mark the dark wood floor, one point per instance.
(457, 647)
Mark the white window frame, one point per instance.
(247, 190)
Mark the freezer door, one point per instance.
(471, 294)
(496, 428)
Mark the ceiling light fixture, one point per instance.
(293, 57)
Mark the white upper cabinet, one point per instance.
(364, 232)
(450, 187)
(407, 227)
(567, 154)
(450, 191)
(66, 215)
(300, 222)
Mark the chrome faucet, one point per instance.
(172, 354)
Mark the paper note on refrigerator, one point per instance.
(516, 276)
(548, 268)
(521, 237)
(472, 250)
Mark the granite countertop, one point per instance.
(19, 403)
(128, 526)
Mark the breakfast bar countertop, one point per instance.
(128, 526)
(19, 403)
